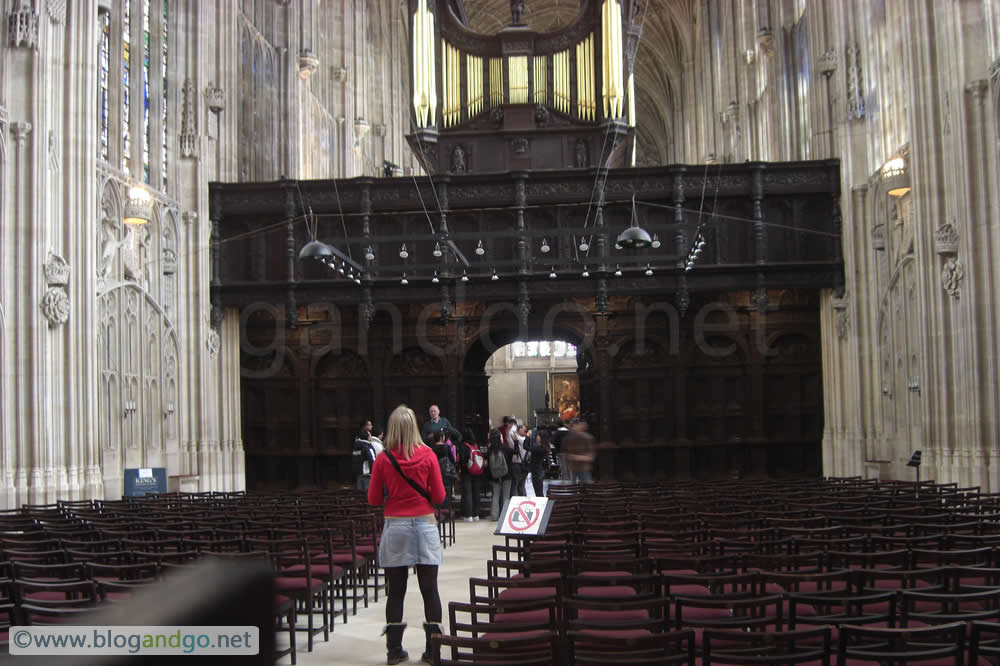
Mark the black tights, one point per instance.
(395, 581)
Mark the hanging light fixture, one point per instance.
(480, 250)
(317, 250)
(495, 277)
(552, 275)
(139, 207)
(369, 253)
(618, 245)
(435, 279)
(656, 242)
(340, 267)
(403, 254)
(634, 236)
(585, 272)
(404, 280)
(545, 246)
(649, 269)
(584, 245)
(465, 277)
(437, 249)
(618, 270)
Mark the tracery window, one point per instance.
(132, 83)
(258, 150)
(103, 60)
(543, 349)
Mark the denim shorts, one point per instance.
(409, 541)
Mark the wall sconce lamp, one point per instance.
(913, 384)
(129, 407)
(170, 408)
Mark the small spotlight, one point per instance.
(340, 267)
(435, 279)
(465, 277)
(403, 254)
(584, 246)
(618, 270)
(545, 246)
(656, 242)
(437, 249)
(370, 254)
(480, 250)
(585, 272)
(357, 280)
(553, 273)
(404, 280)
(618, 246)
(649, 270)
(495, 277)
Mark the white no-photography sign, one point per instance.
(525, 516)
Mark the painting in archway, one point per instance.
(566, 395)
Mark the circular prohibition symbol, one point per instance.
(524, 516)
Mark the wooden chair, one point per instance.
(498, 617)
(772, 648)
(540, 650)
(943, 643)
(984, 643)
(672, 647)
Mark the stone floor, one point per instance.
(358, 641)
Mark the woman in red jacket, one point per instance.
(409, 471)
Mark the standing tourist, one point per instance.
(409, 471)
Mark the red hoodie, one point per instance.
(403, 500)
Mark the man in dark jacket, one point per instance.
(362, 460)
(537, 446)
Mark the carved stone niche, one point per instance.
(215, 99)
(946, 239)
(169, 261)
(878, 237)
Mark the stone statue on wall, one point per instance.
(458, 160)
(516, 12)
(109, 248)
(580, 158)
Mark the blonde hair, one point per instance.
(402, 433)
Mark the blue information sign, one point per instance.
(141, 481)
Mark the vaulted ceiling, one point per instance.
(666, 49)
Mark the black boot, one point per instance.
(394, 652)
(430, 628)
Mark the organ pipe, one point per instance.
(424, 84)
(612, 88)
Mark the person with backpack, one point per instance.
(472, 462)
(447, 455)
(498, 458)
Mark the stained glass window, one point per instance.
(103, 59)
(518, 349)
(126, 68)
(570, 350)
(558, 348)
(533, 349)
(544, 348)
(145, 90)
(164, 103)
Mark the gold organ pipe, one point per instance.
(579, 80)
(445, 90)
